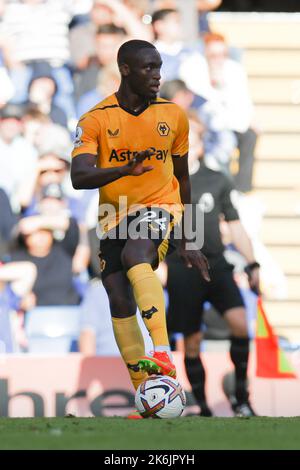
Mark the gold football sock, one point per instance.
(130, 341)
(149, 296)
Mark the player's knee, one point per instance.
(120, 306)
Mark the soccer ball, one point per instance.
(160, 397)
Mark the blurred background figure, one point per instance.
(219, 142)
(7, 89)
(108, 80)
(7, 221)
(48, 138)
(51, 168)
(204, 7)
(108, 39)
(37, 31)
(49, 240)
(96, 334)
(16, 282)
(125, 15)
(223, 83)
(42, 90)
(168, 39)
(33, 121)
(52, 177)
(18, 157)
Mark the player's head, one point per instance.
(139, 64)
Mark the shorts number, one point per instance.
(150, 215)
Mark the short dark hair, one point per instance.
(111, 28)
(12, 110)
(161, 14)
(171, 87)
(130, 48)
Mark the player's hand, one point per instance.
(194, 257)
(135, 166)
(253, 279)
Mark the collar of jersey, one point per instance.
(130, 111)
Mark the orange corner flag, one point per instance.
(271, 361)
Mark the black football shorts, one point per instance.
(188, 292)
(154, 223)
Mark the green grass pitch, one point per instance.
(187, 433)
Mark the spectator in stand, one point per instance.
(18, 157)
(223, 83)
(81, 10)
(219, 143)
(140, 8)
(7, 89)
(42, 89)
(49, 241)
(168, 40)
(34, 31)
(204, 7)
(51, 172)
(122, 14)
(108, 81)
(54, 141)
(33, 121)
(16, 281)
(96, 334)
(53, 138)
(51, 168)
(108, 39)
(48, 138)
(7, 222)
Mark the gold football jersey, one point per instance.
(114, 134)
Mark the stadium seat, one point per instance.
(53, 330)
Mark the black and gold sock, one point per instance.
(149, 296)
(131, 344)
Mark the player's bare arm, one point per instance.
(243, 244)
(85, 174)
(192, 257)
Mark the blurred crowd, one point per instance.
(57, 60)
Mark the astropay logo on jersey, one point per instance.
(122, 155)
